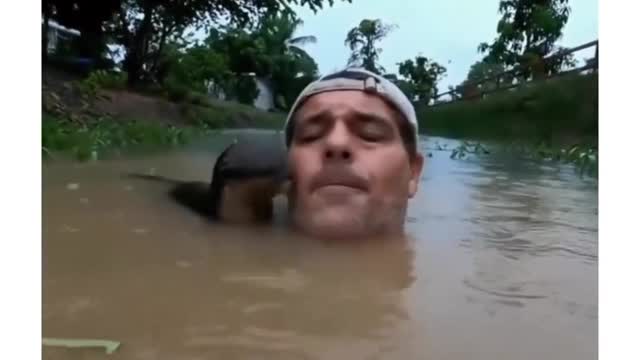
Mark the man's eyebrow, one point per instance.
(323, 115)
(371, 116)
(316, 117)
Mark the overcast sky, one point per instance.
(444, 30)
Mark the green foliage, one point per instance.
(583, 156)
(100, 80)
(268, 50)
(362, 41)
(276, 31)
(245, 52)
(407, 88)
(561, 107)
(198, 99)
(484, 69)
(192, 73)
(95, 140)
(527, 32)
(231, 56)
(109, 79)
(258, 39)
(176, 92)
(291, 68)
(196, 66)
(468, 147)
(290, 75)
(207, 118)
(145, 27)
(244, 89)
(423, 76)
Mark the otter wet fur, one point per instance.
(245, 179)
(194, 195)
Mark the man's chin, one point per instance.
(335, 224)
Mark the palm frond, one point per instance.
(302, 40)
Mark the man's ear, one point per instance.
(416, 164)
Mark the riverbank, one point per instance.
(550, 121)
(559, 112)
(93, 117)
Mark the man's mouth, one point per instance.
(339, 180)
(338, 193)
(341, 186)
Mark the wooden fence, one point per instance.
(457, 94)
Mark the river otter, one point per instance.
(245, 178)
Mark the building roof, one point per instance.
(55, 25)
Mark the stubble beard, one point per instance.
(344, 221)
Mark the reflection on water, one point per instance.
(501, 264)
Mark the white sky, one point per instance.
(442, 30)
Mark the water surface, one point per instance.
(501, 264)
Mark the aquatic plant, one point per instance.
(583, 156)
(468, 147)
(95, 140)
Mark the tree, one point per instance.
(362, 41)
(198, 67)
(423, 74)
(481, 70)
(144, 27)
(486, 69)
(527, 32)
(292, 68)
(278, 32)
(231, 55)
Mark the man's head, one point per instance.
(352, 140)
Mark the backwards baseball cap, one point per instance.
(355, 79)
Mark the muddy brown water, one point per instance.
(500, 263)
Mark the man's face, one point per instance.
(351, 173)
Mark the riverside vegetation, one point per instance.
(164, 92)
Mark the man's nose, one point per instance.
(338, 144)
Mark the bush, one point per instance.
(103, 79)
(542, 111)
(109, 79)
(244, 89)
(95, 140)
(177, 92)
(196, 98)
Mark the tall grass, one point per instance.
(220, 114)
(99, 139)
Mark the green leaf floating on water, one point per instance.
(108, 345)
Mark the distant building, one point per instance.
(265, 99)
(57, 35)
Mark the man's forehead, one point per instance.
(345, 104)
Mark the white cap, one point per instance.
(356, 79)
